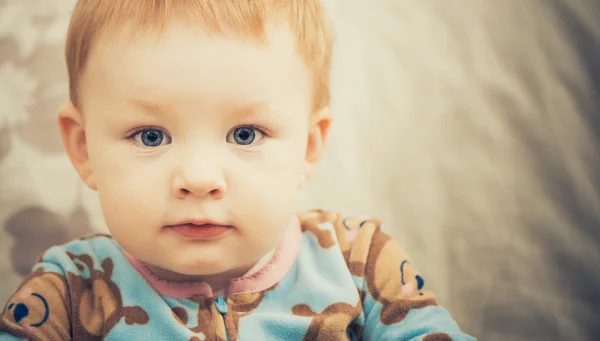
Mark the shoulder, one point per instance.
(370, 254)
(76, 276)
(353, 233)
(77, 255)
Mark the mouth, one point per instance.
(199, 230)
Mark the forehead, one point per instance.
(185, 62)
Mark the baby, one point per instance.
(197, 122)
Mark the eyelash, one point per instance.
(136, 131)
(258, 128)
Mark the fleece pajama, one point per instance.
(333, 277)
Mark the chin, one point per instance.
(200, 268)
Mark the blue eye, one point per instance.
(149, 137)
(244, 135)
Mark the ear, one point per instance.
(318, 132)
(72, 131)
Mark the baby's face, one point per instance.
(187, 126)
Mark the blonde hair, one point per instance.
(246, 18)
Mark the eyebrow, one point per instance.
(153, 108)
(248, 109)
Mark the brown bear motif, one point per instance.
(96, 301)
(347, 230)
(353, 248)
(397, 295)
(242, 305)
(205, 328)
(333, 323)
(37, 310)
(207, 317)
(375, 256)
(310, 221)
(239, 305)
(437, 337)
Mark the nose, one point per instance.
(21, 312)
(199, 177)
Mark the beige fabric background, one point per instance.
(471, 127)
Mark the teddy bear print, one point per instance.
(239, 306)
(353, 224)
(333, 323)
(37, 308)
(397, 296)
(207, 317)
(96, 300)
(347, 229)
(437, 337)
(311, 221)
(204, 325)
(243, 305)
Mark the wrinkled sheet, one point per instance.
(470, 127)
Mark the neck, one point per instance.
(218, 281)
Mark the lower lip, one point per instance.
(199, 231)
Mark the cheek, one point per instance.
(118, 169)
(276, 171)
(269, 183)
(287, 158)
(129, 194)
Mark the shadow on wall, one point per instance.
(545, 279)
(35, 229)
(577, 193)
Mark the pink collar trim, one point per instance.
(281, 262)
